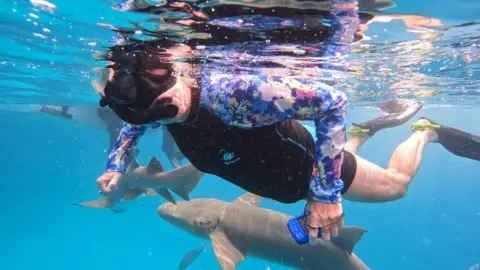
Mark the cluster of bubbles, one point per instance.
(441, 66)
(50, 55)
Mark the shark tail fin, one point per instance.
(348, 237)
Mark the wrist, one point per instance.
(114, 168)
(332, 199)
(327, 196)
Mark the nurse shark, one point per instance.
(241, 228)
(181, 180)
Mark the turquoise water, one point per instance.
(49, 163)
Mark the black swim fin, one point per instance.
(397, 112)
(457, 142)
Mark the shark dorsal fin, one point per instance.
(249, 199)
(155, 166)
(348, 237)
(227, 254)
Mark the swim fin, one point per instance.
(457, 142)
(397, 112)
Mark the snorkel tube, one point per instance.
(160, 110)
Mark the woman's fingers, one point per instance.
(113, 184)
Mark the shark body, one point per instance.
(98, 118)
(243, 228)
(181, 180)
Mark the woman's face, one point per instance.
(178, 52)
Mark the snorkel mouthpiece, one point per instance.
(159, 110)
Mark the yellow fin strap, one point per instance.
(358, 131)
(423, 126)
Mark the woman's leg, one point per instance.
(375, 184)
(355, 142)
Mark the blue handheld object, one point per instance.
(297, 229)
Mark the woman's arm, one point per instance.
(344, 23)
(119, 157)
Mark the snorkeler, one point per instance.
(144, 91)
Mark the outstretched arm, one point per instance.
(119, 157)
(326, 185)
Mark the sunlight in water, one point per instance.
(255, 103)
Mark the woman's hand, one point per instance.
(326, 216)
(112, 186)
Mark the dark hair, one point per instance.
(137, 79)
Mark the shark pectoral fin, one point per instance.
(182, 192)
(155, 166)
(227, 254)
(249, 199)
(99, 203)
(348, 237)
(166, 195)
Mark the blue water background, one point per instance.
(48, 163)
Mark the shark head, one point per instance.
(199, 216)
